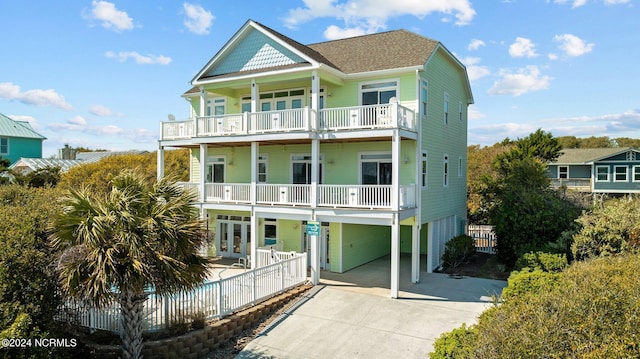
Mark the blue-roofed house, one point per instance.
(18, 139)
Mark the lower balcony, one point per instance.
(577, 184)
(335, 196)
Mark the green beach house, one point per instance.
(18, 139)
(364, 139)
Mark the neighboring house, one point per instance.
(27, 165)
(365, 137)
(18, 139)
(597, 170)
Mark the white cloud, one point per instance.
(77, 121)
(475, 71)
(474, 114)
(32, 121)
(123, 56)
(100, 110)
(110, 16)
(334, 32)
(370, 16)
(35, 97)
(525, 80)
(579, 3)
(523, 47)
(572, 45)
(475, 44)
(198, 19)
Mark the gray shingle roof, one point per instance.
(382, 51)
(13, 128)
(586, 155)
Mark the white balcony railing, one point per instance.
(582, 184)
(329, 195)
(302, 119)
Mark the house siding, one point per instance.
(363, 243)
(23, 147)
(439, 139)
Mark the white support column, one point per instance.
(160, 163)
(315, 259)
(254, 239)
(315, 172)
(203, 102)
(395, 257)
(255, 96)
(255, 153)
(415, 253)
(315, 99)
(203, 171)
(395, 171)
(430, 247)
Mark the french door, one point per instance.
(233, 238)
(324, 245)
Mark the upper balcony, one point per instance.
(386, 116)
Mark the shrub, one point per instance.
(528, 220)
(456, 344)
(590, 312)
(526, 281)
(457, 250)
(610, 230)
(546, 262)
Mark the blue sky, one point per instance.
(103, 74)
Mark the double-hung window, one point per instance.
(636, 173)
(602, 173)
(563, 172)
(216, 106)
(263, 165)
(424, 170)
(621, 174)
(445, 174)
(4, 146)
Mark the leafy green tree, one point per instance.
(97, 175)
(480, 169)
(628, 142)
(29, 296)
(139, 236)
(525, 212)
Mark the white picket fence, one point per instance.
(212, 299)
(484, 238)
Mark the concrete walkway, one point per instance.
(350, 315)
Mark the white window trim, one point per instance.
(460, 111)
(211, 104)
(446, 109)
(263, 158)
(8, 150)
(396, 87)
(559, 167)
(424, 103)
(633, 173)
(615, 174)
(291, 161)
(460, 166)
(424, 172)
(211, 160)
(360, 161)
(608, 174)
(269, 221)
(446, 171)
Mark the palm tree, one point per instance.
(138, 236)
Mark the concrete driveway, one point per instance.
(350, 315)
